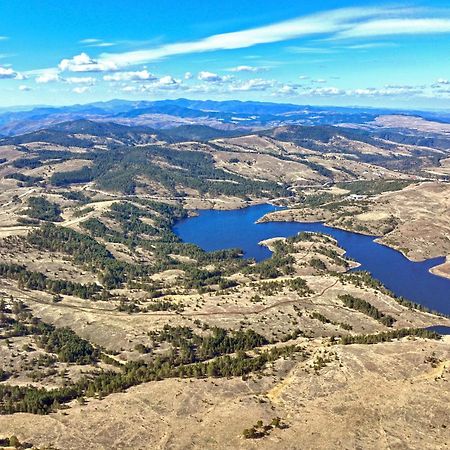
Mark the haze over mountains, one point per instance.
(229, 115)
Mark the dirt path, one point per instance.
(230, 313)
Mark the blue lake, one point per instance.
(440, 329)
(217, 230)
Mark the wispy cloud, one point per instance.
(330, 22)
(91, 42)
(342, 23)
(81, 89)
(81, 80)
(310, 50)
(396, 26)
(369, 45)
(251, 69)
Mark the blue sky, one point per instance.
(305, 52)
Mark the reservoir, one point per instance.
(217, 230)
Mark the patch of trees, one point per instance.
(317, 264)
(14, 442)
(64, 342)
(75, 196)
(321, 318)
(4, 375)
(84, 250)
(367, 309)
(297, 285)
(300, 286)
(83, 175)
(52, 136)
(119, 169)
(274, 267)
(40, 208)
(28, 221)
(39, 281)
(333, 255)
(361, 278)
(388, 336)
(374, 187)
(68, 346)
(200, 278)
(27, 163)
(323, 199)
(164, 305)
(41, 401)
(27, 180)
(87, 251)
(190, 347)
(259, 430)
(321, 170)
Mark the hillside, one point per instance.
(110, 321)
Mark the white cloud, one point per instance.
(442, 81)
(324, 91)
(397, 26)
(130, 76)
(80, 89)
(129, 89)
(9, 73)
(81, 80)
(369, 45)
(167, 81)
(387, 91)
(84, 63)
(248, 69)
(90, 42)
(24, 88)
(255, 84)
(309, 50)
(188, 75)
(330, 22)
(211, 77)
(48, 76)
(287, 89)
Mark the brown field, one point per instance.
(373, 397)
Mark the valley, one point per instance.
(118, 330)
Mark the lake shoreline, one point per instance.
(440, 270)
(245, 228)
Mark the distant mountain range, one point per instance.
(225, 115)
